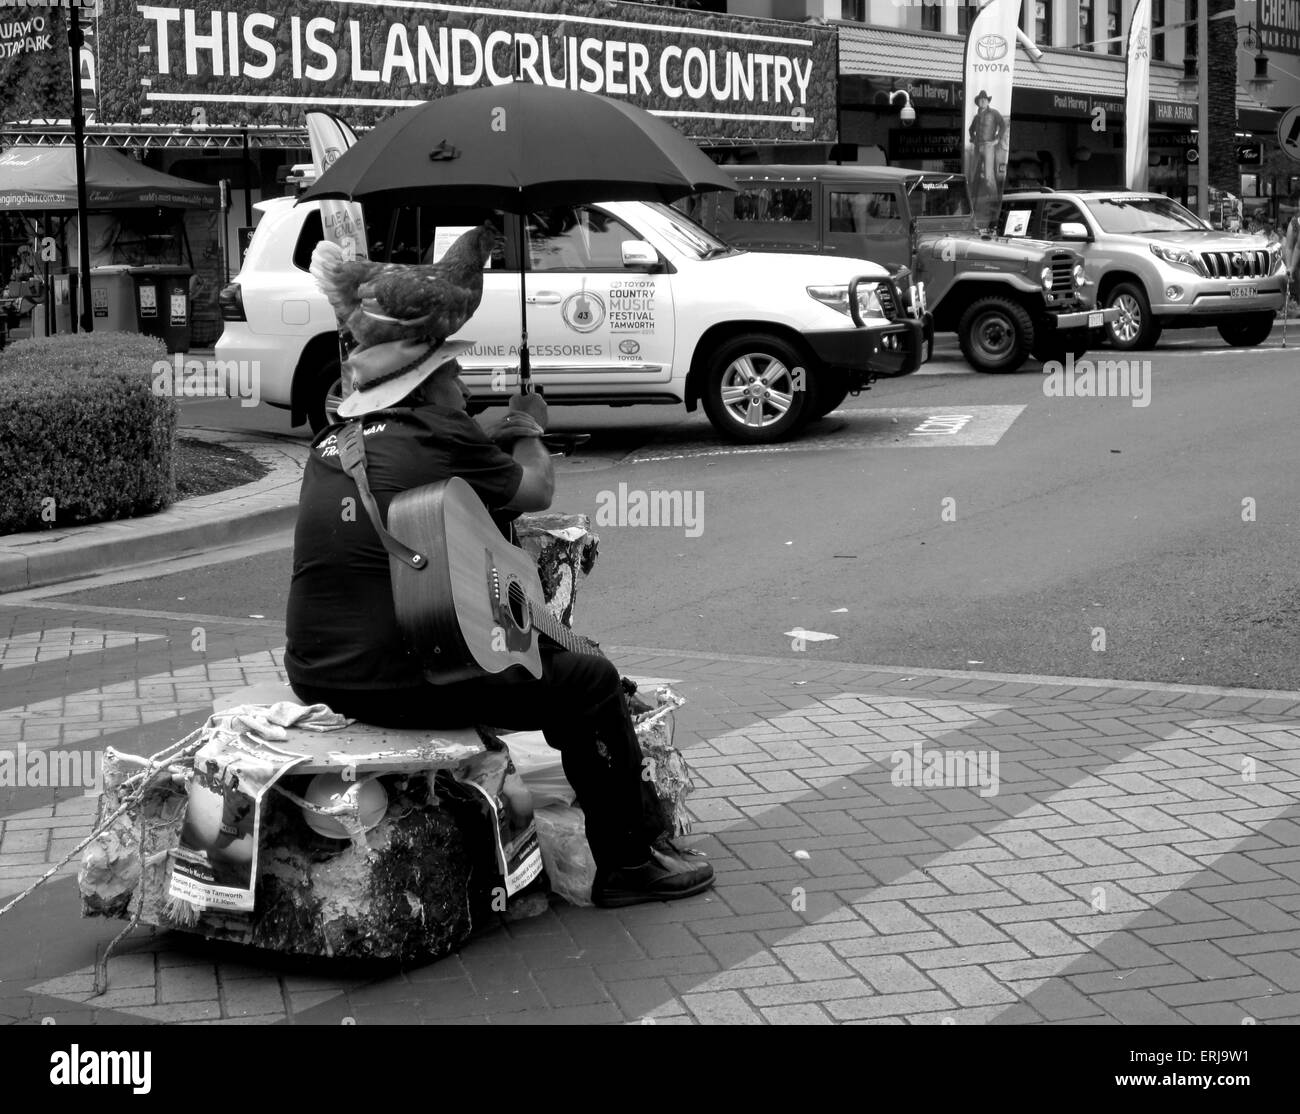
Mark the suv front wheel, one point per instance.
(1134, 328)
(757, 389)
(324, 395)
(1248, 330)
(995, 334)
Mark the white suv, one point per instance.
(627, 303)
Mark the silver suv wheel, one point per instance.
(757, 389)
(1135, 327)
(1129, 323)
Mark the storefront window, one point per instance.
(1085, 25)
(1191, 35)
(1114, 26)
(966, 16)
(1037, 16)
(1157, 21)
(932, 18)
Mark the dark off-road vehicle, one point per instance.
(1007, 298)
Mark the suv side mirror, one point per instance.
(1074, 230)
(639, 253)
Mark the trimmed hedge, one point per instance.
(81, 425)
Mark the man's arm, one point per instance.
(528, 414)
(537, 486)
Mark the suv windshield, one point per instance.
(939, 196)
(1136, 216)
(685, 234)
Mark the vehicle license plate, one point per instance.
(1243, 291)
(1095, 319)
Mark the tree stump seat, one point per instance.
(403, 891)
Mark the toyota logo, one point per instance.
(991, 47)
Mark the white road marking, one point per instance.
(879, 426)
(55, 643)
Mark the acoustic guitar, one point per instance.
(477, 605)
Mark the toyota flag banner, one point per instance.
(341, 220)
(1137, 82)
(988, 72)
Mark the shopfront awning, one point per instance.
(904, 58)
(45, 178)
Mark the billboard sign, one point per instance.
(267, 62)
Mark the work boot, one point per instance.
(666, 845)
(660, 878)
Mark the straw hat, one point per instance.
(384, 374)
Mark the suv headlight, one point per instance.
(837, 297)
(1275, 250)
(1045, 277)
(1080, 275)
(1180, 257)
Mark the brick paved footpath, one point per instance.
(1139, 863)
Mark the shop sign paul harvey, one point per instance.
(213, 61)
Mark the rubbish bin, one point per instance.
(162, 304)
(112, 299)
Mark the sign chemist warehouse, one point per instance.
(714, 77)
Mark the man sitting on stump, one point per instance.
(344, 646)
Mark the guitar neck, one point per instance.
(556, 631)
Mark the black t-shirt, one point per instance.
(341, 629)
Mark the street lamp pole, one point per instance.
(82, 308)
(1203, 109)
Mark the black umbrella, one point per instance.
(520, 147)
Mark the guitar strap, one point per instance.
(352, 455)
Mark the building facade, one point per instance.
(1058, 138)
(214, 90)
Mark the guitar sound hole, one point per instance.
(517, 603)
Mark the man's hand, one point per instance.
(531, 404)
(513, 427)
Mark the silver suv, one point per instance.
(1158, 263)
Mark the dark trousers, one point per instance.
(578, 702)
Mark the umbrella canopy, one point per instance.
(45, 178)
(521, 147)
